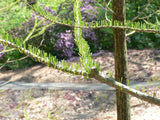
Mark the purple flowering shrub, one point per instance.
(1, 48)
(89, 11)
(58, 39)
(64, 44)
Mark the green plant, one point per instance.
(13, 19)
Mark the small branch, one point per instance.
(150, 15)
(18, 59)
(141, 12)
(30, 34)
(6, 82)
(41, 41)
(4, 64)
(107, 8)
(128, 34)
(109, 2)
(41, 31)
(4, 51)
(59, 8)
(100, 26)
(126, 89)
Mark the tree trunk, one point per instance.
(30, 3)
(121, 61)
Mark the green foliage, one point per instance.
(13, 18)
(84, 50)
(7, 5)
(13, 56)
(106, 42)
(143, 40)
(151, 15)
(51, 3)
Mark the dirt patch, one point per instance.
(144, 65)
(70, 105)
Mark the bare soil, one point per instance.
(144, 65)
(71, 105)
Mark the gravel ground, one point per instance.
(46, 104)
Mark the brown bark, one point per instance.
(121, 62)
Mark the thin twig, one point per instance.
(22, 58)
(30, 34)
(141, 11)
(107, 8)
(4, 64)
(137, 18)
(4, 51)
(150, 15)
(131, 33)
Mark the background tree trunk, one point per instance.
(30, 3)
(121, 61)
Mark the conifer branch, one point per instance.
(124, 88)
(93, 74)
(42, 57)
(84, 50)
(134, 26)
